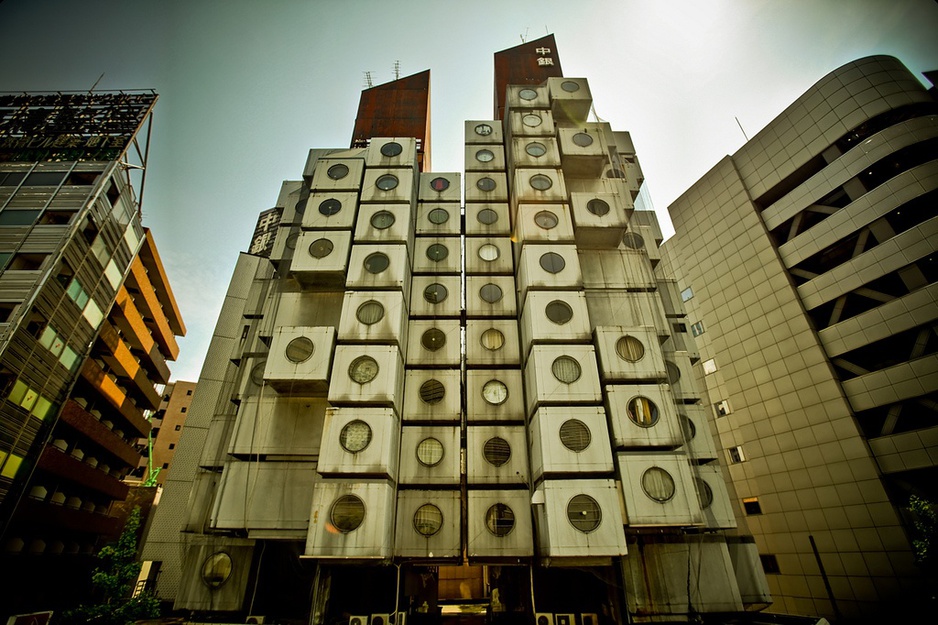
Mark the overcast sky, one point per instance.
(247, 88)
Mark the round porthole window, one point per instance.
(337, 172)
(551, 262)
(688, 427)
(300, 207)
(438, 216)
(495, 392)
(535, 149)
(433, 339)
(658, 484)
(370, 313)
(559, 312)
(531, 120)
(598, 207)
(630, 348)
(584, 513)
(490, 293)
(633, 240)
(376, 263)
(432, 392)
(574, 435)
(347, 513)
(382, 220)
(674, 372)
(527, 94)
(496, 451)
(320, 248)
(704, 493)
(489, 252)
(642, 411)
(363, 369)
(546, 219)
(355, 436)
(257, 373)
(485, 184)
(569, 86)
(500, 520)
(216, 569)
(428, 519)
(566, 369)
(299, 349)
(391, 149)
(582, 139)
(437, 252)
(485, 156)
(387, 182)
(487, 216)
(291, 241)
(541, 182)
(435, 293)
(429, 452)
(483, 130)
(330, 207)
(439, 184)
(492, 339)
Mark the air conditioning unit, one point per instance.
(255, 620)
(564, 619)
(380, 619)
(358, 620)
(590, 618)
(543, 618)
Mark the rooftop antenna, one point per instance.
(397, 69)
(741, 128)
(368, 83)
(96, 82)
(524, 36)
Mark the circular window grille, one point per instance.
(439, 184)
(688, 427)
(330, 207)
(584, 513)
(582, 139)
(642, 411)
(704, 493)
(300, 207)
(674, 373)
(299, 349)
(615, 173)
(432, 392)
(376, 263)
(490, 293)
(485, 156)
(428, 519)
(546, 219)
(500, 520)
(569, 86)
(337, 172)
(370, 313)
(492, 339)
(355, 436)
(489, 252)
(527, 94)
(496, 451)
(630, 348)
(257, 373)
(437, 252)
(382, 220)
(433, 339)
(541, 182)
(531, 120)
(291, 241)
(598, 207)
(551, 262)
(435, 293)
(633, 240)
(347, 513)
(438, 216)
(387, 182)
(363, 369)
(559, 312)
(495, 392)
(216, 569)
(574, 435)
(485, 184)
(566, 369)
(483, 130)
(391, 149)
(536, 149)
(658, 484)
(429, 452)
(320, 248)
(487, 216)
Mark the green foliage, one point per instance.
(113, 583)
(926, 527)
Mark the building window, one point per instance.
(566, 369)
(483, 130)
(582, 139)
(485, 184)
(347, 513)
(330, 207)
(435, 293)
(574, 435)
(183, 409)
(552, 262)
(704, 493)
(432, 391)
(355, 436)
(752, 506)
(439, 184)
(722, 408)
(438, 216)
(490, 293)
(172, 445)
(527, 94)
(485, 156)
(492, 340)
(428, 519)
(298, 350)
(658, 484)
(370, 313)
(535, 149)
(546, 220)
(540, 182)
(630, 348)
(437, 252)
(642, 411)
(598, 207)
(487, 216)
(687, 294)
(584, 513)
(337, 172)
(500, 519)
(736, 454)
(769, 564)
(363, 369)
(559, 312)
(489, 252)
(429, 452)
(391, 149)
(697, 328)
(382, 220)
(709, 366)
(165, 465)
(433, 339)
(387, 182)
(376, 263)
(216, 570)
(178, 427)
(495, 392)
(320, 248)
(496, 451)
(189, 392)
(633, 241)
(679, 328)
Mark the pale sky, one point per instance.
(247, 88)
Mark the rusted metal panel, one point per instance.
(400, 108)
(530, 63)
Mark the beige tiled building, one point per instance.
(807, 266)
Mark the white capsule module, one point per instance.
(643, 416)
(321, 258)
(531, 123)
(538, 186)
(601, 219)
(385, 152)
(435, 296)
(433, 343)
(487, 220)
(360, 442)
(494, 395)
(389, 186)
(330, 210)
(432, 395)
(554, 317)
(658, 489)
(617, 269)
(628, 309)
(713, 497)
(499, 523)
(351, 520)
(570, 99)
(629, 354)
(561, 374)
(492, 342)
(338, 174)
(439, 187)
(367, 374)
(276, 425)
(299, 359)
(578, 519)
(496, 454)
(548, 267)
(437, 255)
(430, 455)
(437, 219)
(385, 223)
(681, 377)
(583, 149)
(569, 440)
(543, 223)
(381, 267)
(484, 131)
(488, 255)
(429, 524)
(641, 238)
(484, 157)
(491, 296)
(698, 441)
(527, 96)
(373, 316)
(538, 152)
(485, 186)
